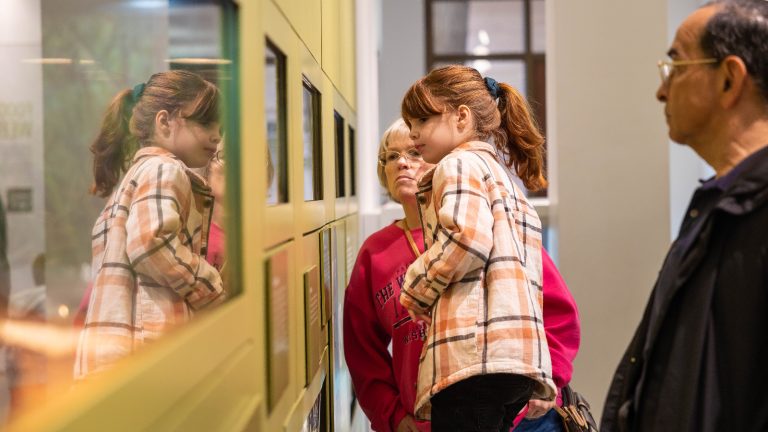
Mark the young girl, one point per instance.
(149, 243)
(479, 283)
(382, 344)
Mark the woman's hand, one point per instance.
(407, 424)
(538, 407)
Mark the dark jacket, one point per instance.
(696, 362)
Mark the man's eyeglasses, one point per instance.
(666, 67)
(392, 156)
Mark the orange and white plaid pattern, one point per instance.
(149, 265)
(481, 277)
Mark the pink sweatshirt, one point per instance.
(561, 324)
(385, 380)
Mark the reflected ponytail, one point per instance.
(113, 148)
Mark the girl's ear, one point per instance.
(463, 117)
(163, 124)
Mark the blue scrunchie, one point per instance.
(138, 90)
(493, 86)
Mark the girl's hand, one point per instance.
(417, 316)
(538, 407)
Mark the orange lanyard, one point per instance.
(410, 239)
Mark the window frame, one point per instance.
(534, 62)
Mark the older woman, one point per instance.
(385, 380)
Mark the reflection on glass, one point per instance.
(61, 83)
(277, 142)
(313, 156)
(478, 27)
(340, 154)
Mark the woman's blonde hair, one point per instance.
(398, 129)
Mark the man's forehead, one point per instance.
(688, 36)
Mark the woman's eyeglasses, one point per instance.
(391, 156)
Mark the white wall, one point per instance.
(402, 59)
(609, 160)
(685, 167)
(390, 57)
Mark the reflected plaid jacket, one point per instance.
(149, 263)
(481, 276)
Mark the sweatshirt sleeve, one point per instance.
(561, 322)
(366, 352)
(464, 237)
(154, 246)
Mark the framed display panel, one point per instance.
(340, 379)
(312, 214)
(275, 101)
(341, 155)
(326, 261)
(344, 120)
(352, 161)
(282, 122)
(313, 341)
(314, 421)
(276, 282)
(307, 398)
(312, 140)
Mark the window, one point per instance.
(275, 111)
(504, 39)
(313, 148)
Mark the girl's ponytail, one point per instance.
(113, 148)
(509, 121)
(519, 139)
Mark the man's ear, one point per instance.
(163, 123)
(733, 79)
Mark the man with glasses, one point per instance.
(696, 360)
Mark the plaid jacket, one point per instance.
(149, 264)
(481, 276)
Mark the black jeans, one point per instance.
(481, 403)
